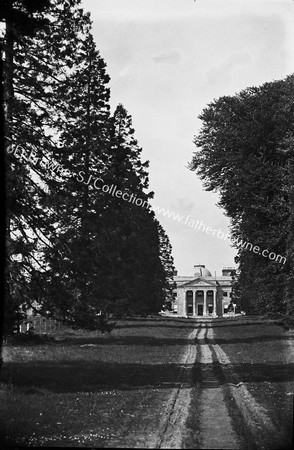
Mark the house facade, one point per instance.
(202, 294)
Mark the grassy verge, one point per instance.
(88, 389)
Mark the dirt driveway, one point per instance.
(242, 389)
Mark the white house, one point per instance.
(202, 294)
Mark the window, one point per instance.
(199, 293)
(225, 294)
(189, 297)
(209, 293)
(190, 309)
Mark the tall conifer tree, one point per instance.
(76, 249)
(168, 265)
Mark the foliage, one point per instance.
(168, 265)
(239, 156)
(73, 248)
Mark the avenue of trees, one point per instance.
(245, 152)
(72, 248)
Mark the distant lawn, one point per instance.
(88, 389)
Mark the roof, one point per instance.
(198, 281)
(185, 281)
(179, 278)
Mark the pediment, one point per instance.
(198, 282)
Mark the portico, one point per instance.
(202, 295)
(199, 298)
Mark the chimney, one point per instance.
(228, 271)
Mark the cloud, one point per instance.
(171, 57)
(222, 73)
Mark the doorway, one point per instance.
(200, 310)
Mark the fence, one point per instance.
(40, 325)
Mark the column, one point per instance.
(195, 304)
(214, 313)
(204, 303)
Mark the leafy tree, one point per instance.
(239, 157)
(287, 148)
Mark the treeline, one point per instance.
(74, 247)
(245, 152)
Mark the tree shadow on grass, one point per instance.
(124, 340)
(244, 322)
(85, 376)
(188, 325)
(246, 372)
(245, 340)
(91, 376)
(188, 322)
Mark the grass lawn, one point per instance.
(88, 389)
(263, 357)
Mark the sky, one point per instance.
(167, 60)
